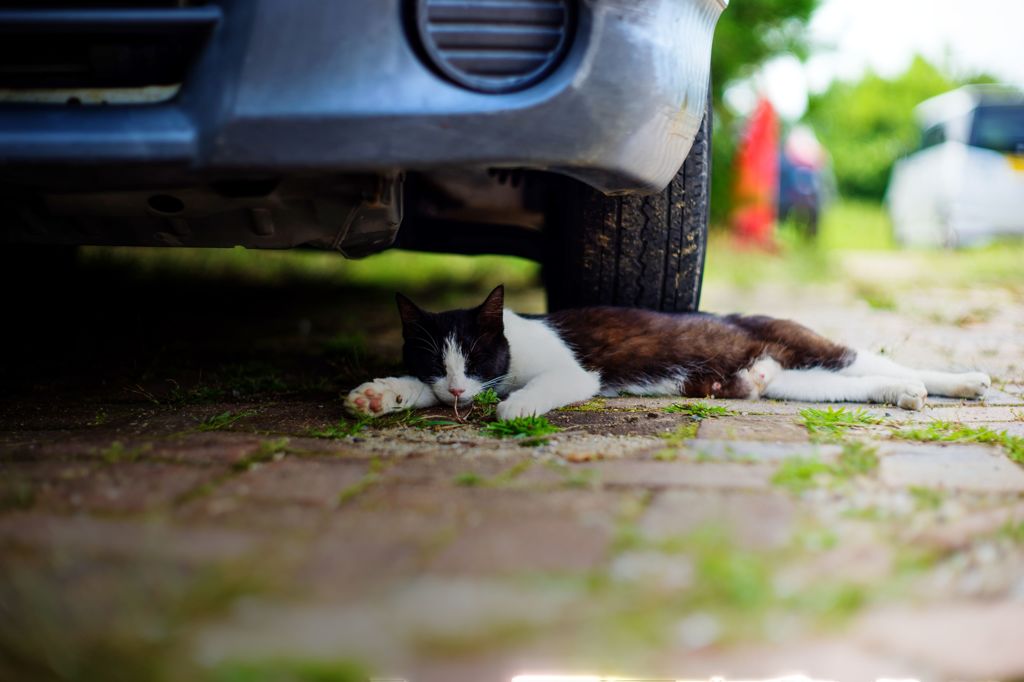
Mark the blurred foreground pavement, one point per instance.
(181, 499)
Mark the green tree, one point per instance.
(748, 33)
(869, 124)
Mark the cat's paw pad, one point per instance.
(971, 385)
(514, 407)
(910, 395)
(373, 399)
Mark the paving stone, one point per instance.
(683, 474)
(122, 487)
(753, 520)
(834, 658)
(744, 450)
(304, 480)
(964, 641)
(968, 412)
(206, 448)
(960, 532)
(512, 532)
(386, 627)
(610, 422)
(957, 467)
(121, 537)
(446, 469)
(757, 428)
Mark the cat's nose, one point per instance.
(456, 391)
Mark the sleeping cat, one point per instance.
(539, 363)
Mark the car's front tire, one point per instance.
(635, 251)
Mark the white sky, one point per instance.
(849, 36)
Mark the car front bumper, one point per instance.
(311, 86)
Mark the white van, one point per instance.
(965, 185)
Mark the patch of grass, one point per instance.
(288, 670)
(681, 433)
(222, 421)
(350, 344)
(371, 478)
(469, 479)
(926, 498)
(16, 493)
(797, 474)
(472, 479)
(529, 430)
(666, 455)
(117, 452)
(1013, 531)
(856, 459)
(592, 405)
(698, 410)
(390, 270)
(834, 423)
(952, 432)
(876, 297)
(345, 428)
(267, 451)
(101, 417)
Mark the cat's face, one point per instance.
(458, 353)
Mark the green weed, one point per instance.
(219, 422)
(798, 474)
(926, 498)
(856, 459)
(288, 670)
(16, 493)
(530, 430)
(1013, 531)
(469, 479)
(834, 423)
(487, 401)
(345, 428)
(681, 433)
(698, 410)
(267, 451)
(371, 478)
(592, 405)
(117, 452)
(351, 344)
(875, 297)
(952, 432)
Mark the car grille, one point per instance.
(93, 45)
(494, 46)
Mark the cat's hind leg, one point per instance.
(822, 385)
(389, 394)
(950, 384)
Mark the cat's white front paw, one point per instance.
(374, 398)
(518, 406)
(759, 375)
(909, 394)
(970, 385)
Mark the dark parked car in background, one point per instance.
(574, 132)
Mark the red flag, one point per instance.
(757, 177)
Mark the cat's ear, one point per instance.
(490, 311)
(408, 311)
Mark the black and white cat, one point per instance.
(539, 363)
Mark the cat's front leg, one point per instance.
(549, 390)
(390, 394)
